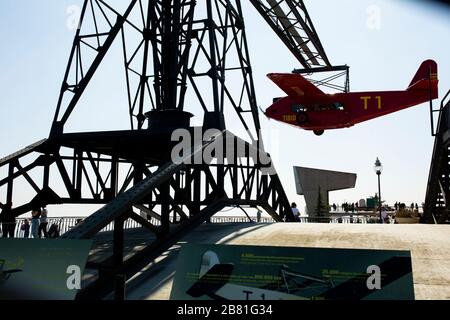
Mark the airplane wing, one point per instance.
(12, 271)
(294, 85)
(214, 279)
(214, 283)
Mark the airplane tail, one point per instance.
(426, 78)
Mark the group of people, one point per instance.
(347, 207)
(385, 217)
(39, 223)
(399, 205)
(37, 228)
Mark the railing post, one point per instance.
(120, 287)
(118, 251)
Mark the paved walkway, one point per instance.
(428, 244)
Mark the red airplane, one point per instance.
(306, 106)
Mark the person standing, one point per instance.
(384, 215)
(8, 221)
(43, 223)
(2, 220)
(26, 228)
(35, 214)
(295, 212)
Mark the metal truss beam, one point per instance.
(437, 199)
(179, 45)
(290, 20)
(255, 190)
(168, 50)
(83, 74)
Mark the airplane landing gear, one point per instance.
(318, 132)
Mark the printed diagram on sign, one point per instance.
(215, 281)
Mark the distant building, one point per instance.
(312, 182)
(362, 203)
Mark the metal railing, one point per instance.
(436, 128)
(67, 223)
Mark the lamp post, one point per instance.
(378, 168)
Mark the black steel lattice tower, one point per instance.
(181, 58)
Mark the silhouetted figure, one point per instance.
(2, 207)
(334, 207)
(53, 232)
(8, 221)
(43, 223)
(35, 214)
(384, 215)
(345, 207)
(295, 212)
(26, 228)
(422, 218)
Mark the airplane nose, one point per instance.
(270, 111)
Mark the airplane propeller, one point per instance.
(263, 112)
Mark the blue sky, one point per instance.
(36, 43)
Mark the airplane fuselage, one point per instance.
(342, 110)
(308, 107)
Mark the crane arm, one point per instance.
(291, 22)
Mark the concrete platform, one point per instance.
(428, 244)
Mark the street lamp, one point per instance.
(378, 168)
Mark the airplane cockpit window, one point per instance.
(320, 107)
(328, 107)
(296, 108)
(338, 106)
